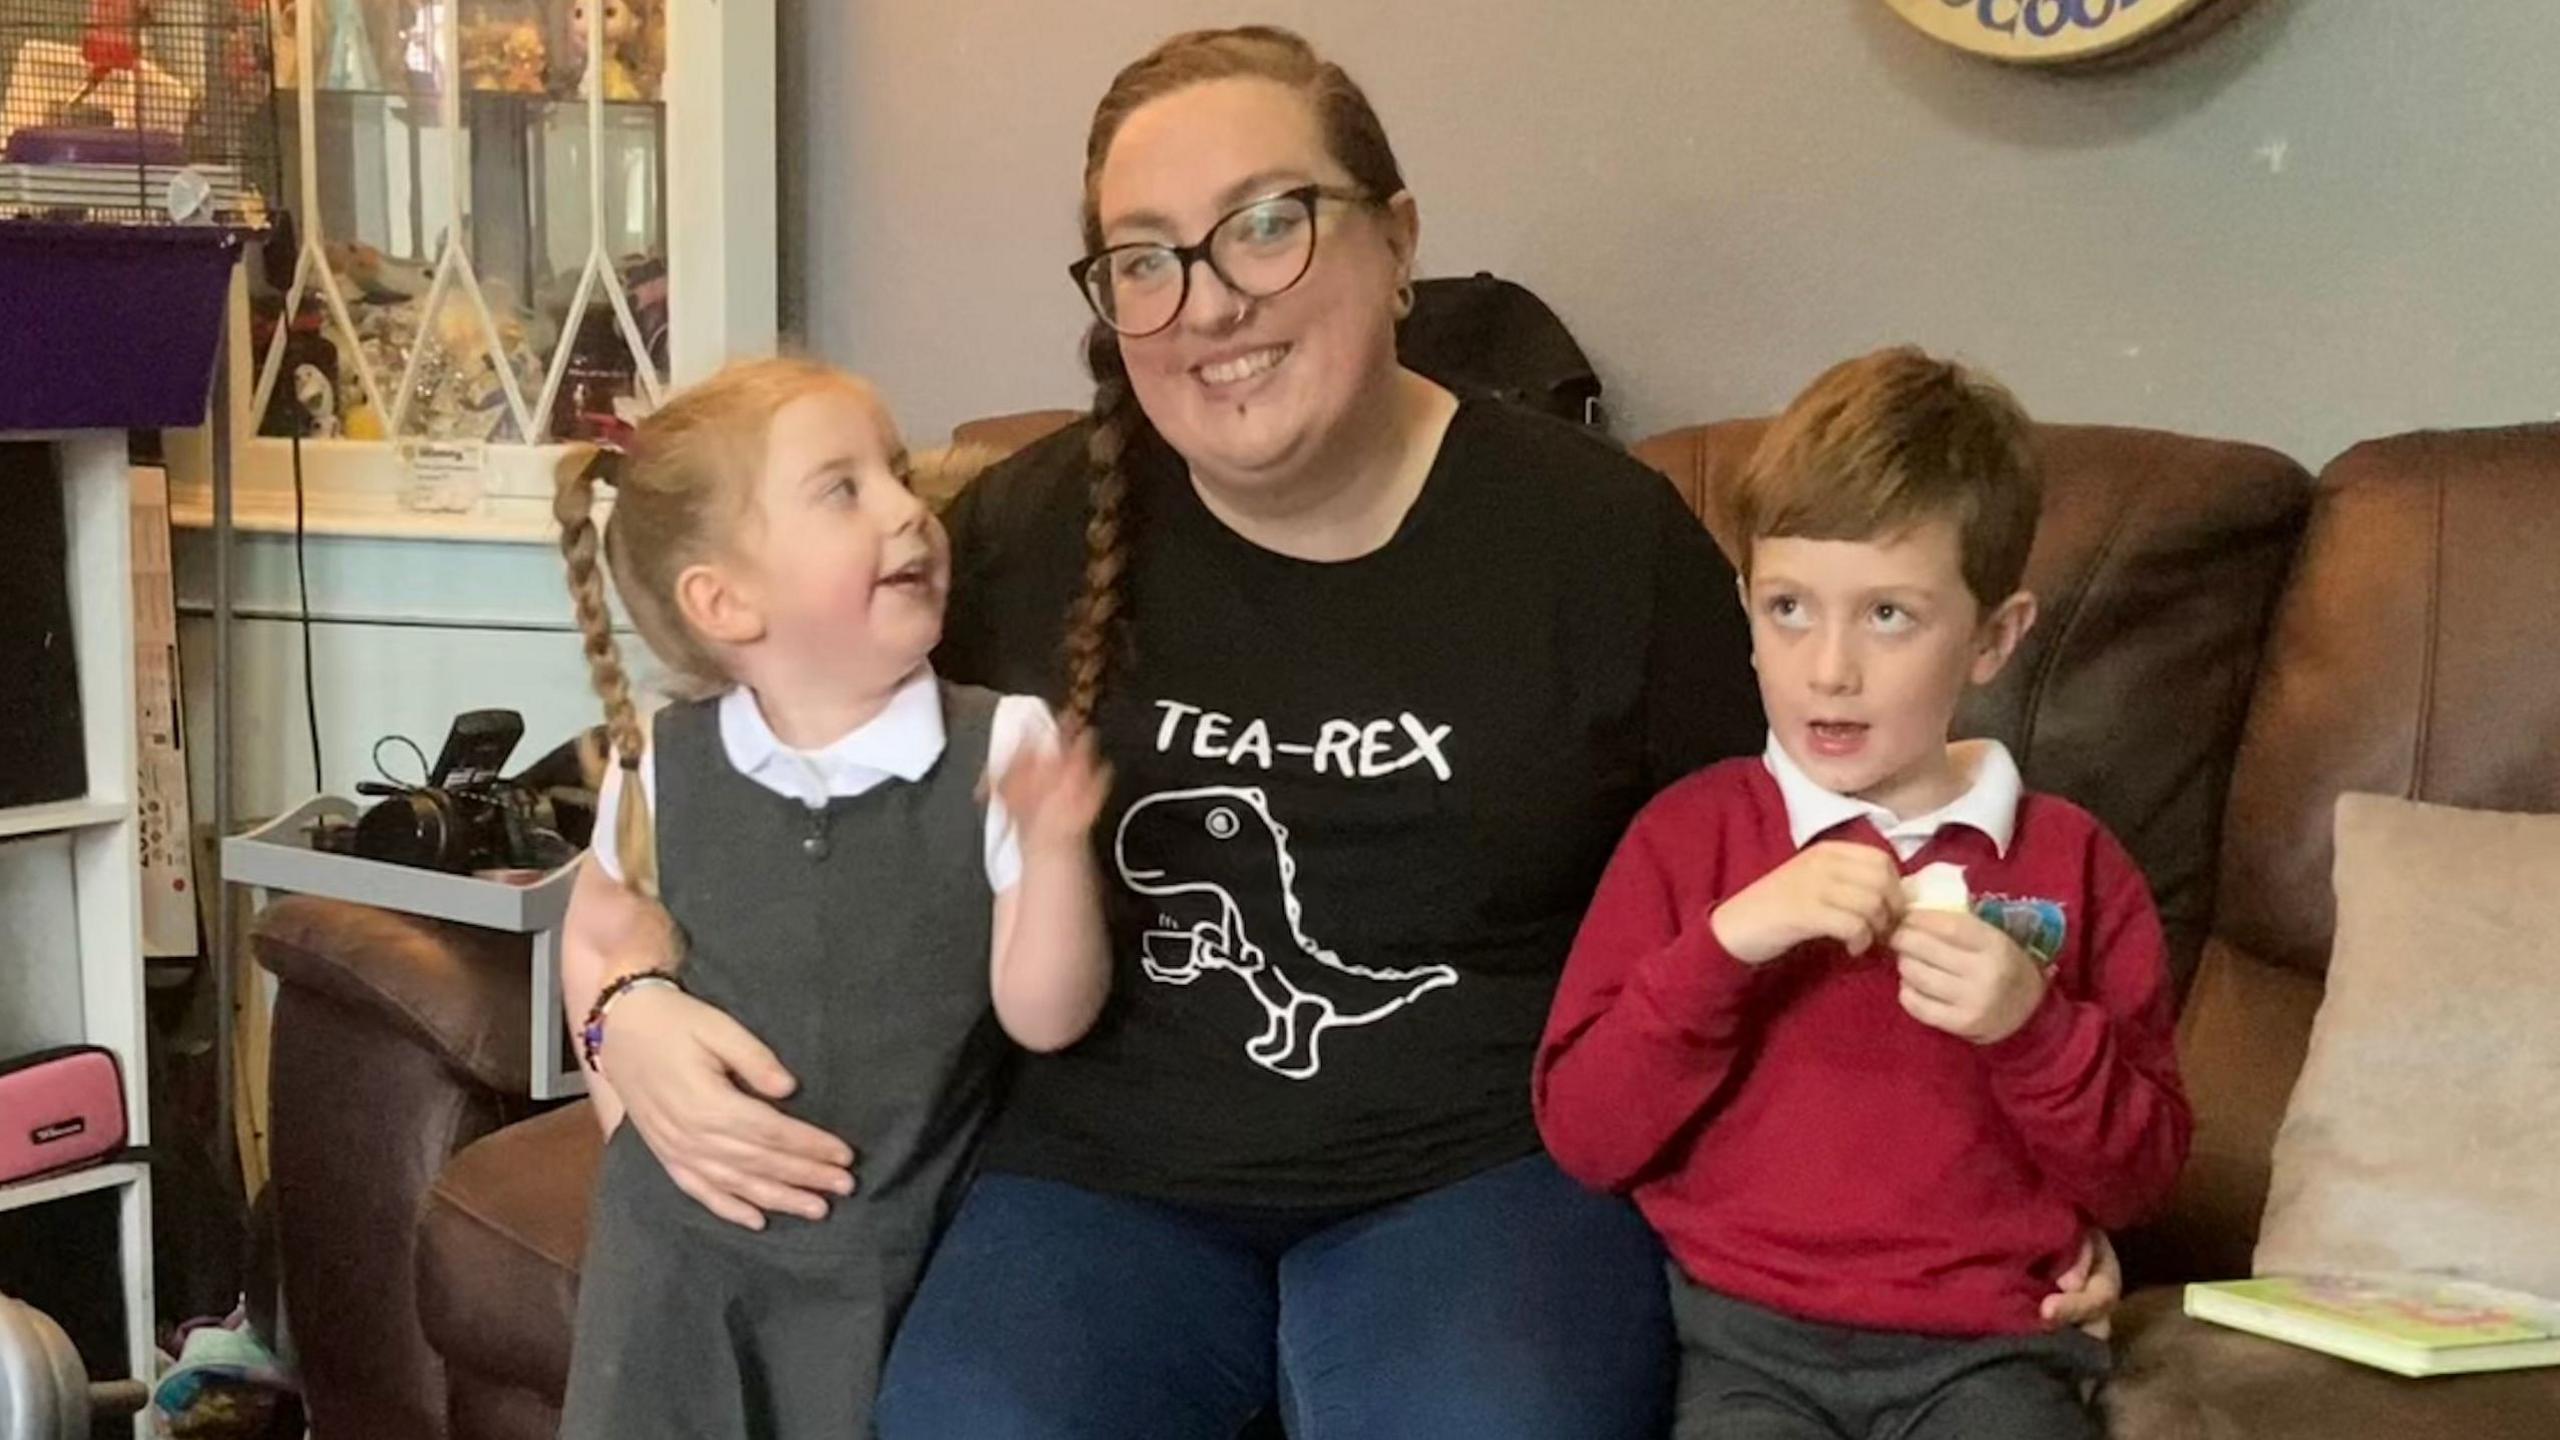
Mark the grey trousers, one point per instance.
(1747, 1373)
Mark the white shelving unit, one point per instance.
(102, 833)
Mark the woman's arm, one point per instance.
(2087, 1293)
(1701, 704)
(695, 1084)
(605, 920)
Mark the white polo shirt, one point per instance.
(902, 742)
(1989, 803)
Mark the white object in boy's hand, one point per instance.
(1938, 886)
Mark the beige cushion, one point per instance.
(2424, 1133)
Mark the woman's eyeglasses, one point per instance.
(1257, 250)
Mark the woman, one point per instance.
(1382, 673)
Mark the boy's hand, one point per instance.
(1055, 795)
(1831, 891)
(1963, 975)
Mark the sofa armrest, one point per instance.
(501, 1239)
(463, 993)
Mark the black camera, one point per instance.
(469, 817)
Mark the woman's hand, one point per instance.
(674, 1067)
(2087, 1293)
(700, 1090)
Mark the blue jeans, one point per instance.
(1510, 1304)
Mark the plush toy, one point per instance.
(225, 1384)
(505, 56)
(648, 54)
(526, 57)
(379, 277)
(625, 40)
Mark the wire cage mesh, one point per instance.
(137, 112)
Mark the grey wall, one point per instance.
(2333, 219)
(2337, 218)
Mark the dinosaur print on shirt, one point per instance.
(1217, 863)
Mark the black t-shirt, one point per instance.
(1358, 808)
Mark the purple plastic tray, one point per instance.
(110, 327)
(93, 145)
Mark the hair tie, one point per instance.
(604, 467)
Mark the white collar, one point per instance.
(1989, 803)
(901, 742)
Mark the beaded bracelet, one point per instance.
(591, 1034)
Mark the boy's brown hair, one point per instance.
(1892, 440)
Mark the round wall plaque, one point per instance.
(2047, 32)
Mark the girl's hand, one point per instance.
(2087, 1293)
(1054, 795)
(699, 1088)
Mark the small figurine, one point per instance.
(358, 420)
(379, 277)
(319, 401)
(526, 57)
(647, 55)
(504, 56)
(624, 34)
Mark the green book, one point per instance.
(2417, 1326)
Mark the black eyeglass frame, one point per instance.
(1200, 251)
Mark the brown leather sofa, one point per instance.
(2226, 646)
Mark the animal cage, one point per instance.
(137, 112)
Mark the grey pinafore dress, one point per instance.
(853, 941)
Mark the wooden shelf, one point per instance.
(60, 816)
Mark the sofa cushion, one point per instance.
(2182, 1379)
(2159, 560)
(499, 1245)
(2425, 1132)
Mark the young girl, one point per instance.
(816, 829)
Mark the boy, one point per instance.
(1871, 1122)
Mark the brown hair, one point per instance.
(686, 481)
(1356, 141)
(1895, 439)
